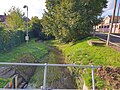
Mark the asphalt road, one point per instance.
(113, 39)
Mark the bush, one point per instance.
(10, 39)
(1, 29)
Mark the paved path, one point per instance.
(113, 39)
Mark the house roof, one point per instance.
(2, 18)
(116, 18)
(25, 18)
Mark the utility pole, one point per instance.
(108, 38)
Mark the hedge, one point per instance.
(10, 39)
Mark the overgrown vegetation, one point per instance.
(53, 73)
(97, 55)
(15, 19)
(35, 29)
(36, 49)
(24, 51)
(35, 26)
(3, 82)
(70, 20)
(12, 34)
(10, 39)
(67, 21)
(12, 31)
(82, 54)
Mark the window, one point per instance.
(107, 26)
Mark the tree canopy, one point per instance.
(36, 26)
(14, 19)
(70, 20)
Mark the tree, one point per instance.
(48, 23)
(14, 19)
(70, 20)
(36, 26)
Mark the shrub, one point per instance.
(10, 39)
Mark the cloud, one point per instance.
(38, 8)
(109, 9)
(110, 5)
(35, 7)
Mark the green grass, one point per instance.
(38, 50)
(3, 82)
(32, 50)
(81, 53)
(53, 73)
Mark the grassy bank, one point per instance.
(33, 49)
(81, 53)
(38, 50)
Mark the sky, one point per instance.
(36, 7)
(110, 7)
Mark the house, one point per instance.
(105, 25)
(2, 18)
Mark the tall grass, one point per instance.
(83, 54)
(36, 49)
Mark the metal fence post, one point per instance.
(93, 80)
(13, 82)
(45, 75)
(16, 82)
(44, 87)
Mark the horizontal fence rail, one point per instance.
(54, 65)
(115, 35)
(115, 43)
(59, 65)
(110, 42)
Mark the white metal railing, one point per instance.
(115, 44)
(115, 35)
(54, 65)
(118, 45)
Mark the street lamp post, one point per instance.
(26, 37)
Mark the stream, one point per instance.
(57, 77)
